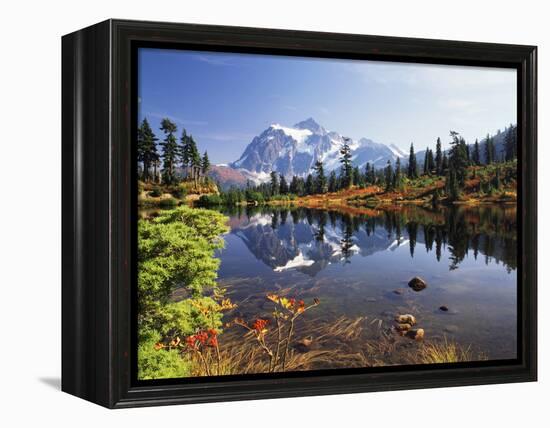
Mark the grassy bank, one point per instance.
(167, 196)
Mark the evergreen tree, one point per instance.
(453, 188)
(438, 157)
(388, 176)
(274, 184)
(283, 185)
(205, 164)
(372, 174)
(367, 174)
(397, 178)
(431, 161)
(497, 178)
(194, 160)
(345, 160)
(358, 177)
(458, 158)
(146, 148)
(510, 143)
(476, 158)
(169, 151)
(294, 185)
(445, 163)
(184, 151)
(332, 182)
(489, 150)
(310, 185)
(320, 178)
(425, 168)
(412, 170)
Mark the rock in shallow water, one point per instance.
(417, 284)
(416, 334)
(403, 327)
(406, 319)
(306, 341)
(443, 308)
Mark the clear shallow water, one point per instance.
(359, 265)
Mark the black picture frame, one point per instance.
(98, 211)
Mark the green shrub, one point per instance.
(255, 197)
(180, 192)
(160, 363)
(210, 200)
(168, 203)
(155, 192)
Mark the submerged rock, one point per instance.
(306, 341)
(443, 308)
(406, 319)
(403, 327)
(398, 292)
(416, 334)
(417, 284)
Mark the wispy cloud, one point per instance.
(227, 136)
(215, 59)
(434, 76)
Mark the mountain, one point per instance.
(294, 150)
(227, 177)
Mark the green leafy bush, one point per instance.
(256, 197)
(210, 200)
(180, 192)
(155, 192)
(176, 249)
(168, 202)
(157, 364)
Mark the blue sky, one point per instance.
(226, 99)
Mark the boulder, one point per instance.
(416, 334)
(417, 284)
(443, 308)
(406, 319)
(403, 327)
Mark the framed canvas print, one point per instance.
(252, 213)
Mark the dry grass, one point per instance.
(339, 344)
(447, 352)
(239, 354)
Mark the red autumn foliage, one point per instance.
(260, 324)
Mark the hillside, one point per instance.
(227, 176)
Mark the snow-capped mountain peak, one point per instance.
(294, 150)
(311, 125)
(397, 151)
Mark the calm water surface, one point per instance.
(359, 266)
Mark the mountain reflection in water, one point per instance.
(359, 266)
(310, 240)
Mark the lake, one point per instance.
(359, 264)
